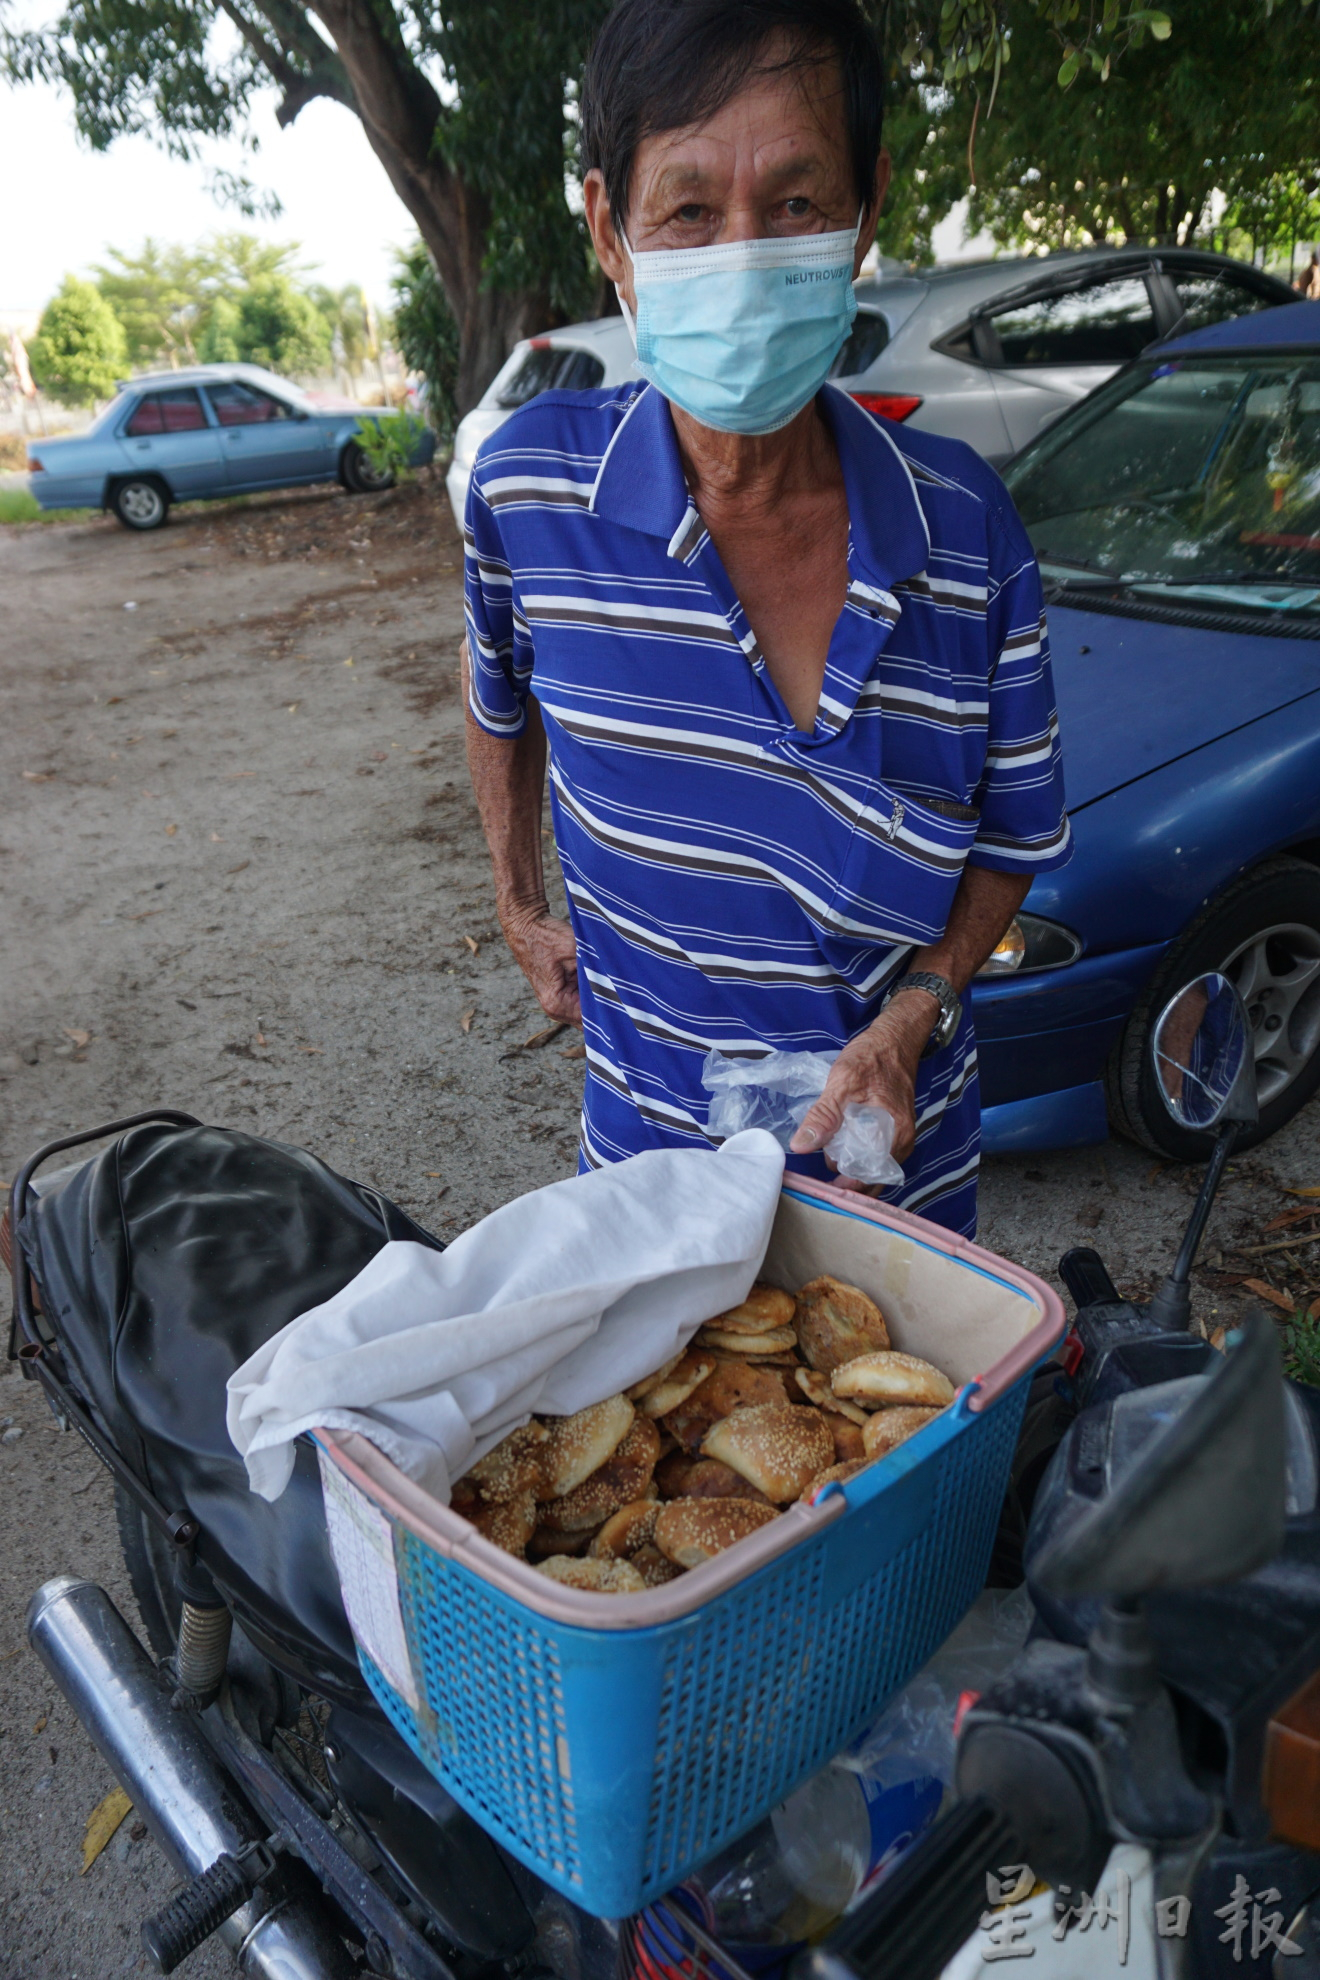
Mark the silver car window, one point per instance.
(1213, 299)
(1104, 323)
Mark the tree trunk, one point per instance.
(400, 111)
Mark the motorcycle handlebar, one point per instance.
(929, 1904)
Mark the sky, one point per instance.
(67, 205)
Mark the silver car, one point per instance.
(217, 429)
(987, 352)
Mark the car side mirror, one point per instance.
(1202, 1500)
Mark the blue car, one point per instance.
(219, 429)
(1176, 516)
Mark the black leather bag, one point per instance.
(162, 1264)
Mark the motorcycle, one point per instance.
(1167, 1706)
(1172, 1551)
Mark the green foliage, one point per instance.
(482, 138)
(1135, 156)
(390, 441)
(510, 131)
(155, 295)
(1301, 1349)
(426, 334)
(1276, 213)
(17, 506)
(346, 317)
(79, 349)
(280, 327)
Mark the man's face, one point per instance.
(774, 161)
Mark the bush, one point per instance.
(79, 349)
(427, 335)
(389, 442)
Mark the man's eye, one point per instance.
(797, 209)
(690, 212)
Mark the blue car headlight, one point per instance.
(1029, 942)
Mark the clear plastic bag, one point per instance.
(776, 1092)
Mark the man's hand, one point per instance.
(546, 953)
(878, 1068)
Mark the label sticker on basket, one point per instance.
(362, 1543)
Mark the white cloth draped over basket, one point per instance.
(555, 1301)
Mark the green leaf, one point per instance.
(1068, 69)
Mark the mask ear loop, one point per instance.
(624, 310)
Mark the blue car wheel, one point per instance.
(141, 502)
(358, 474)
(1263, 932)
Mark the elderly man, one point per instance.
(787, 660)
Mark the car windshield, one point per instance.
(1195, 478)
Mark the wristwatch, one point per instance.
(947, 998)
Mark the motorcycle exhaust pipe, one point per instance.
(171, 1775)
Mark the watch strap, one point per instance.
(945, 996)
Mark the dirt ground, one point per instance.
(241, 874)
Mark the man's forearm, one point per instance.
(508, 782)
(983, 907)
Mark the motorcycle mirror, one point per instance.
(1201, 1047)
(1203, 1499)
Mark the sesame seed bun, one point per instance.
(776, 1447)
(691, 1531)
(880, 1379)
(835, 1322)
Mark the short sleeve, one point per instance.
(499, 642)
(1024, 826)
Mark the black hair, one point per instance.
(658, 65)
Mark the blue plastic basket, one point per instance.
(614, 1743)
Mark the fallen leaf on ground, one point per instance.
(102, 1823)
(39, 776)
(1311, 1189)
(170, 830)
(1298, 1216)
(465, 1022)
(472, 944)
(578, 1051)
(1271, 1293)
(114, 701)
(41, 1724)
(1158, 1170)
(311, 1048)
(1313, 1310)
(293, 707)
(216, 840)
(240, 867)
(261, 1038)
(78, 1038)
(539, 1038)
(442, 1191)
(145, 915)
(349, 661)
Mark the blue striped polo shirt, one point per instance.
(732, 880)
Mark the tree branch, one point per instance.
(298, 85)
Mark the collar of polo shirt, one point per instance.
(641, 486)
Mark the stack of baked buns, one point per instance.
(768, 1403)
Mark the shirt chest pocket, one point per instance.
(901, 868)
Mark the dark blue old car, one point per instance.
(218, 429)
(1176, 516)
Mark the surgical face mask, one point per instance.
(743, 335)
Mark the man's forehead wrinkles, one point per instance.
(690, 174)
